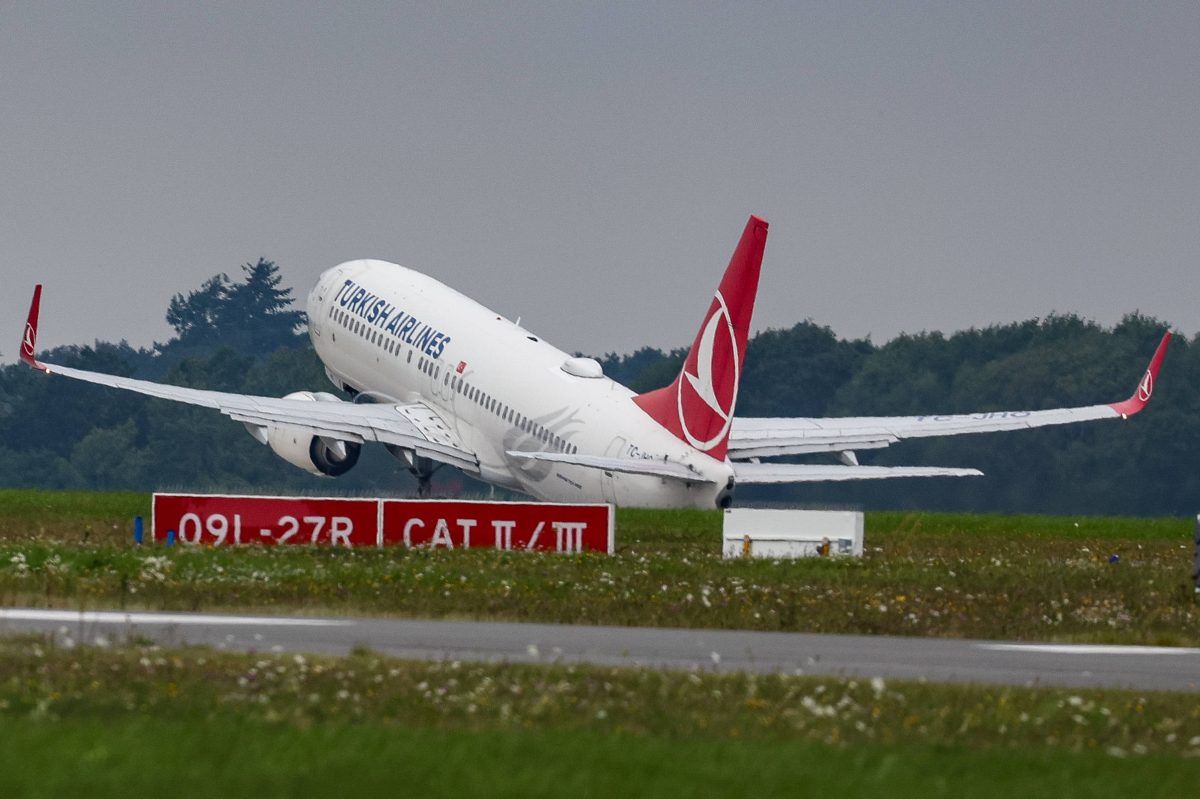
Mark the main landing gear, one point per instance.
(421, 468)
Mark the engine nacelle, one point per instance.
(314, 454)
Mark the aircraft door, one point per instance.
(316, 320)
(316, 324)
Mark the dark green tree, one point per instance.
(261, 311)
(254, 316)
(797, 372)
(197, 317)
(109, 458)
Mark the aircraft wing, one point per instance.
(752, 438)
(414, 426)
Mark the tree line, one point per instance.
(245, 335)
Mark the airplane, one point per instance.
(439, 379)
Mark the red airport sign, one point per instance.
(221, 519)
(498, 525)
(227, 520)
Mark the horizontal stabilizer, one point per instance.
(748, 473)
(655, 468)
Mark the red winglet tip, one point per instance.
(29, 336)
(1145, 388)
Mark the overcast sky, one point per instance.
(589, 167)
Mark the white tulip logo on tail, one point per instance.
(27, 341)
(711, 372)
(1146, 387)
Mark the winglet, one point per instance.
(1141, 395)
(29, 337)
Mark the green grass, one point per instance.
(137, 757)
(140, 720)
(1027, 527)
(948, 575)
(76, 516)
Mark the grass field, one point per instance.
(208, 758)
(132, 720)
(128, 719)
(949, 575)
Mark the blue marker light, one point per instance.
(170, 538)
(137, 530)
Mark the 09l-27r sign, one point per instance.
(223, 520)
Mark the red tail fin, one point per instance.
(29, 336)
(698, 406)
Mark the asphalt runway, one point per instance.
(935, 660)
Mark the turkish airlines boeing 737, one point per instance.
(439, 379)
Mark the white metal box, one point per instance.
(757, 533)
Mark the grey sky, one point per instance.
(589, 167)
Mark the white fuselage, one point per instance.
(400, 336)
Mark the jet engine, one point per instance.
(317, 455)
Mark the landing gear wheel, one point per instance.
(423, 469)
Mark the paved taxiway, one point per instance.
(1144, 668)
